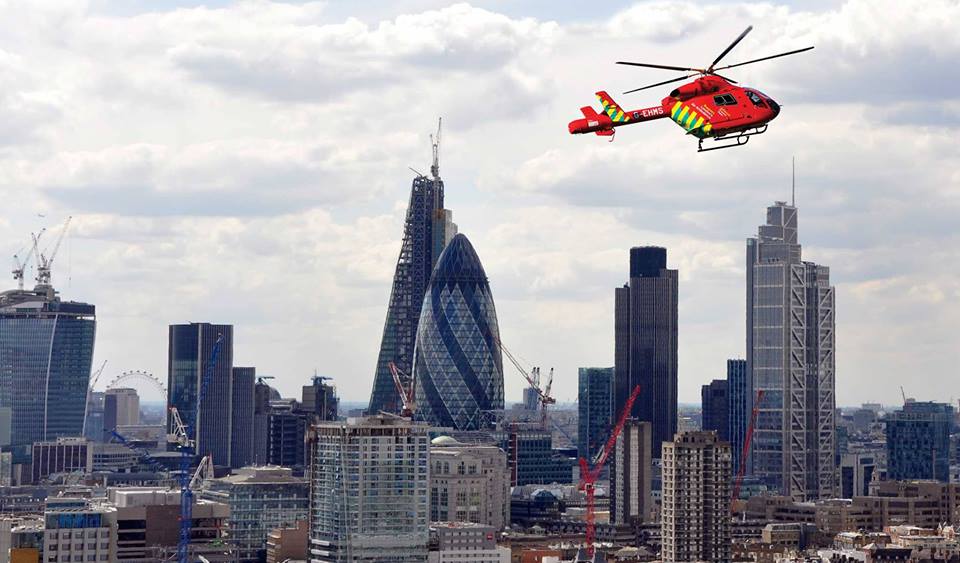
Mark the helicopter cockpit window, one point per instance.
(757, 101)
(725, 100)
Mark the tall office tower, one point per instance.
(93, 426)
(531, 399)
(695, 514)
(320, 399)
(369, 490)
(739, 416)
(241, 419)
(631, 475)
(190, 351)
(427, 230)
(121, 407)
(46, 350)
(261, 422)
(286, 437)
(645, 346)
(790, 343)
(918, 442)
(469, 483)
(715, 408)
(595, 410)
(458, 367)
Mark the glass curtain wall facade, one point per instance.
(46, 352)
(739, 416)
(595, 410)
(918, 442)
(458, 366)
(241, 431)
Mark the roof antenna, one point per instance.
(793, 182)
(435, 143)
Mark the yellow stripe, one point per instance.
(708, 127)
(699, 123)
(682, 114)
(690, 119)
(676, 108)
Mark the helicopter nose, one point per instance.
(774, 106)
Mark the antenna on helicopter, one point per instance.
(435, 144)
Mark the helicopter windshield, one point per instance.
(757, 100)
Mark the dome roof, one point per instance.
(445, 441)
(459, 263)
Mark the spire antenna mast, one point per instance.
(435, 143)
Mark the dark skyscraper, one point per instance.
(46, 350)
(790, 344)
(715, 407)
(595, 410)
(739, 415)
(241, 424)
(918, 442)
(320, 400)
(427, 229)
(261, 422)
(190, 350)
(645, 346)
(458, 366)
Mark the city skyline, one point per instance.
(279, 214)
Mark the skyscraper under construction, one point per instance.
(427, 230)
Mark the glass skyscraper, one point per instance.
(918, 441)
(458, 366)
(427, 229)
(595, 410)
(790, 345)
(738, 416)
(46, 351)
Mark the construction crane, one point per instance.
(589, 476)
(20, 266)
(534, 382)
(45, 262)
(746, 447)
(188, 445)
(406, 390)
(93, 381)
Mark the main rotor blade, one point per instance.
(730, 80)
(664, 67)
(767, 58)
(662, 83)
(732, 45)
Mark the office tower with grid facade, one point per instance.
(595, 410)
(738, 416)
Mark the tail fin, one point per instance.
(612, 109)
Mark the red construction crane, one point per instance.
(406, 390)
(746, 447)
(589, 476)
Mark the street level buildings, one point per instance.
(458, 366)
(595, 410)
(190, 350)
(46, 351)
(465, 542)
(790, 309)
(695, 514)
(918, 441)
(645, 346)
(428, 228)
(469, 483)
(369, 490)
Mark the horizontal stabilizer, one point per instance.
(589, 113)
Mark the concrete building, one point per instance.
(261, 499)
(86, 532)
(631, 497)
(738, 416)
(46, 351)
(790, 356)
(21, 539)
(645, 343)
(121, 407)
(595, 410)
(63, 455)
(469, 483)
(463, 542)
(190, 350)
(695, 515)
(369, 490)
(242, 383)
(918, 441)
(715, 408)
(288, 544)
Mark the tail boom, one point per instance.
(613, 116)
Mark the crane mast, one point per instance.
(746, 447)
(20, 266)
(44, 262)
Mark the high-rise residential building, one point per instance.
(262, 394)
(695, 514)
(790, 357)
(243, 381)
(458, 367)
(320, 399)
(469, 483)
(918, 441)
(595, 410)
(46, 351)
(121, 407)
(715, 407)
(190, 351)
(738, 417)
(261, 499)
(427, 230)
(631, 473)
(645, 343)
(369, 490)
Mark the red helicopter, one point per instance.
(709, 107)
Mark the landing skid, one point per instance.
(736, 139)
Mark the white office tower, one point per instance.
(369, 482)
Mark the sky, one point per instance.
(248, 163)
